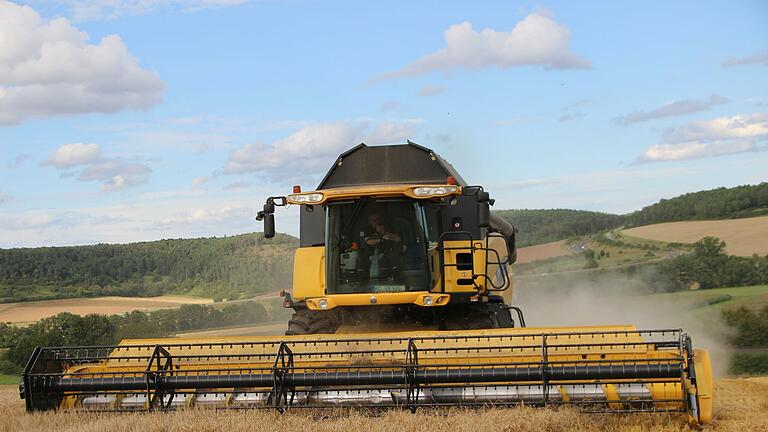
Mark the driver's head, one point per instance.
(375, 219)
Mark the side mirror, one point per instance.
(483, 209)
(483, 214)
(269, 206)
(269, 225)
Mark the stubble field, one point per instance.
(543, 251)
(740, 405)
(35, 310)
(742, 236)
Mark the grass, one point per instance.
(740, 405)
(8, 379)
(751, 297)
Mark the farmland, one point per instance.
(542, 251)
(26, 312)
(743, 237)
(739, 406)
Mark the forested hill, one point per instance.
(721, 203)
(542, 226)
(229, 267)
(245, 265)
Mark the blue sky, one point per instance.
(128, 120)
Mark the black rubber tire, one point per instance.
(471, 318)
(311, 322)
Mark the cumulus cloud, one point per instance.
(50, 68)
(208, 215)
(537, 40)
(71, 155)
(431, 90)
(672, 109)
(760, 58)
(306, 152)
(707, 138)
(86, 163)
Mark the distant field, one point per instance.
(739, 406)
(36, 310)
(542, 251)
(742, 236)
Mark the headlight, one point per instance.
(309, 198)
(435, 190)
(427, 300)
(323, 303)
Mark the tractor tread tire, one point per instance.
(310, 322)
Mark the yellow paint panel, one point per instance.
(309, 272)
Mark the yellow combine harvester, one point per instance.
(402, 297)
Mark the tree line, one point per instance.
(66, 329)
(542, 226)
(751, 332)
(228, 267)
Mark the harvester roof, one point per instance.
(407, 163)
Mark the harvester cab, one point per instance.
(402, 298)
(393, 237)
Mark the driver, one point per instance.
(387, 241)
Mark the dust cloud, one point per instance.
(615, 299)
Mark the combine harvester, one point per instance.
(402, 298)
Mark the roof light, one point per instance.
(297, 189)
(451, 180)
(426, 191)
(306, 198)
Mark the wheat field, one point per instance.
(25, 312)
(740, 405)
(742, 236)
(543, 251)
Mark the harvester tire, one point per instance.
(473, 318)
(310, 322)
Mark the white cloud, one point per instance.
(537, 40)
(200, 215)
(95, 10)
(431, 90)
(307, 151)
(760, 58)
(71, 155)
(672, 109)
(49, 68)
(695, 150)
(738, 126)
(199, 181)
(115, 174)
(112, 173)
(144, 219)
(708, 138)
